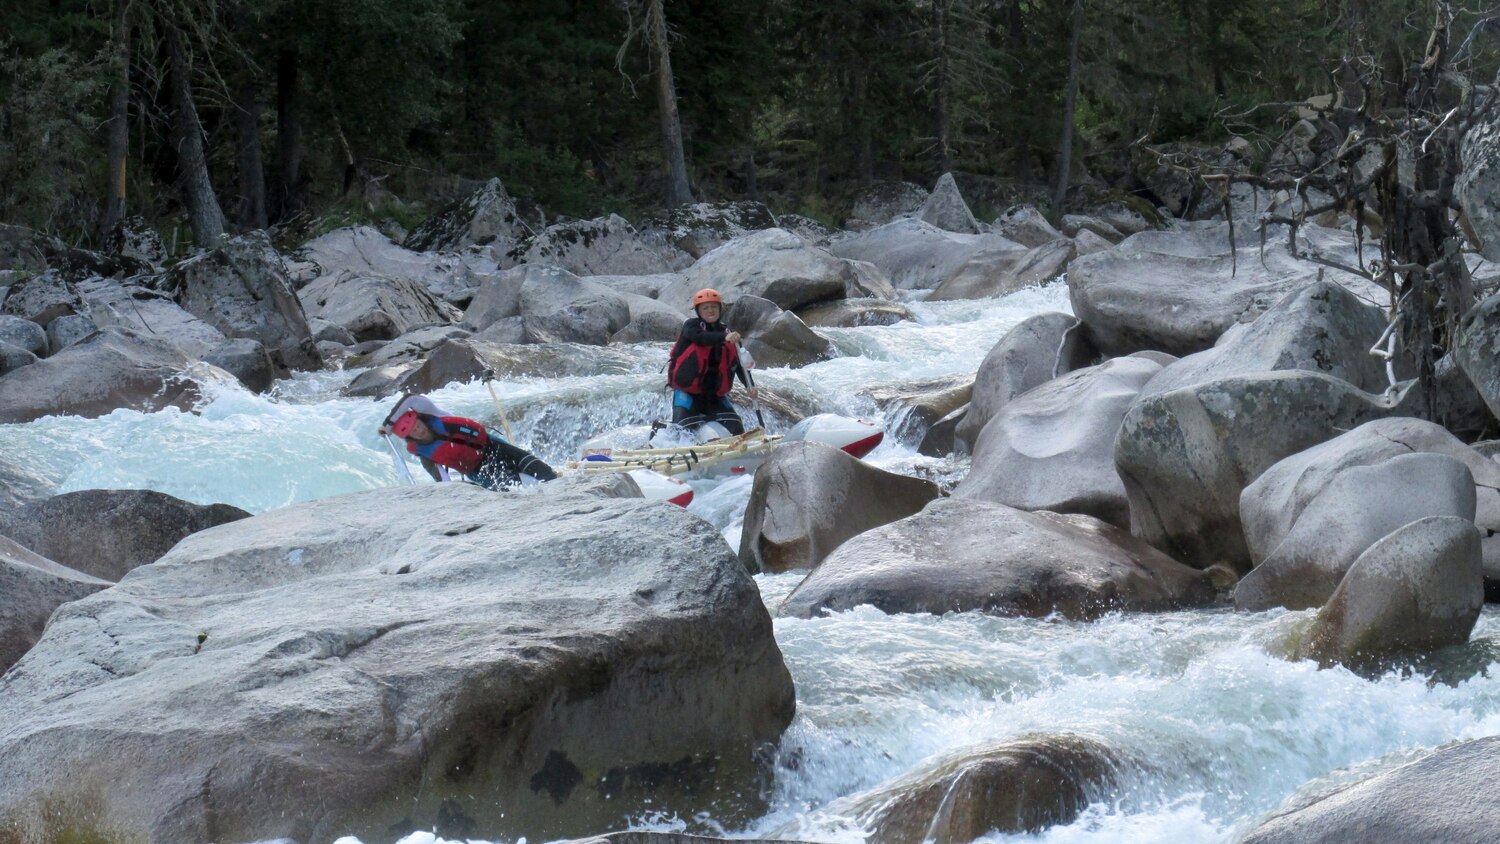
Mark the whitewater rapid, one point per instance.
(1215, 730)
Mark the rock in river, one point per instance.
(437, 657)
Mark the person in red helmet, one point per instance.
(467, 447)
(704, 363)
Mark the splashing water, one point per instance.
(1215, 731)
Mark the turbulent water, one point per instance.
(1214, 730)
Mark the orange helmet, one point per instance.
(707, 294)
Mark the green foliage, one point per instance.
(553, 176)
(375, 66)
(49, 108)
(795, 103)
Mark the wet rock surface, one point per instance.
(31, 588)
(809, 498)
(106, 533)
(958, 555)
(1053, 447)
(113, 369)
(1186, 455)
(435, 657)
(1025, 785)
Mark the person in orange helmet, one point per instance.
(704, 362)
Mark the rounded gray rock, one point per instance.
(958, 555)
(1358, 507)
(808, 498)
(1053, 447)
(438, 657)
(1417, 589)
(1185, 456)
(23, 334)
(1039, 349)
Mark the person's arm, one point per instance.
(697, 331)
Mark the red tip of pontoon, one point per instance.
(859, 448)
(684, 499)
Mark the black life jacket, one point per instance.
(704, 370)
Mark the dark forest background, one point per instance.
(308, 113)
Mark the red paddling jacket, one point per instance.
(703, 363)
(460, 443)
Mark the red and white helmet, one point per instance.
(404, 423)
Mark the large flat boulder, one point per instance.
(773, 264)
(1023, 785)
(108, 532)
(1444, 797)
(1039, 349)
(114, 369)
(1000, 272)
(853, 313)
(915, 255)
(31, 587)
(437, 657)
(1053, 447)
(241, 288)
(1178, 291)
(1417, 589)
(1186, 455)
(151, 313)
(606, 246)
(1358, 507)
(1321, 327)
(374, 307)
(808, 498)
(959, 555)
(364, 251)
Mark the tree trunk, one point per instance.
(1070, 103)
(252, 210)
(288, 135)
(119, 119)
(864, 132)
(678, 192)
(940, 45)
(204, 214)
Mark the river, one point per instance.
(1215, 730)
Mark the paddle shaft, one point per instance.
(504, 423)
(755, 400)
(401, 468)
